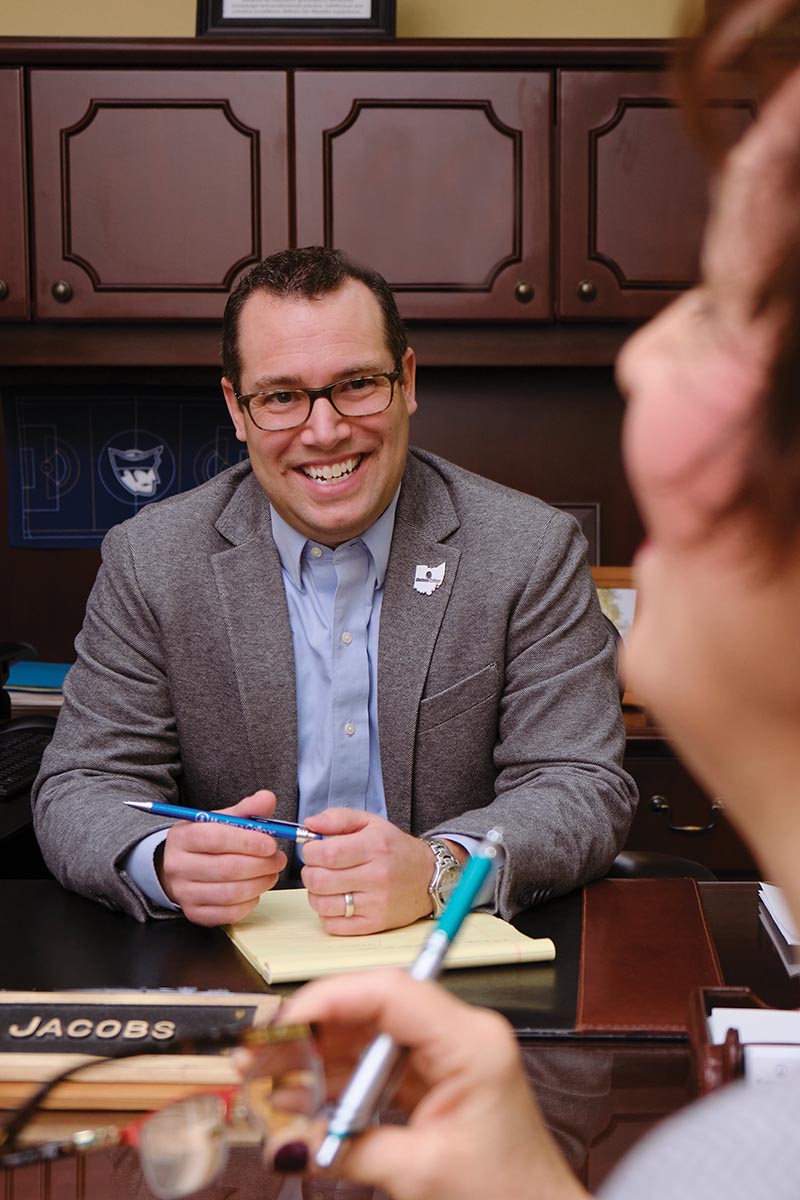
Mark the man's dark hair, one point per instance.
(309, 271)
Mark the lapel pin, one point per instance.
(428, 579)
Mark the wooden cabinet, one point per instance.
(632, 197)
(676, 816)
(440, 180)
(525, 200)
(153, 191)
(14, 303)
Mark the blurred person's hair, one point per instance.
(759, 41)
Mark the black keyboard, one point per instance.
(21, 750)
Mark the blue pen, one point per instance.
(278, 829)
(373, 1079)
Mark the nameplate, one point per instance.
(106, 1023)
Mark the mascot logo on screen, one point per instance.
(137, 470)
(136, 467)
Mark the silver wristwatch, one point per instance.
(446, 874)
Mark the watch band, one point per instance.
(446, 873)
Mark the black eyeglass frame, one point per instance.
(313, 394)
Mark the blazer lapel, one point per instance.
(253, 609)
(410, 622)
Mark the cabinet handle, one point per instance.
(62, 291)
(586, 290)
(660, 804)
(3, 289)
(524, 292)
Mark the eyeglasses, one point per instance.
(184, 1146)
(288, 408)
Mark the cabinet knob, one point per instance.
(62, 291)
(524, 292)
(660, 804)
(3, 289)
(586, 290)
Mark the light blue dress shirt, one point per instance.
(334, 599)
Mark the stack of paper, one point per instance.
(775, 903)
(780, 925)
(764, 1026)
(283, 939)
(36, 684)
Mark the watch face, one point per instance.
(449, 880)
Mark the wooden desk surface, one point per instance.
(598, 1097)
(54, 939)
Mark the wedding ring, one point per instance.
(349, 904)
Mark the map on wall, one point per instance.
(78, 465)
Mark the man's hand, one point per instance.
(387, 872)
(216, 873)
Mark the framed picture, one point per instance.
(296, 18)
(588, 517)
(616, 592)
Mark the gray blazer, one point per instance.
(497, 701)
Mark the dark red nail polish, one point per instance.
(291, 1158)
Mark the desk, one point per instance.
(599, 1096)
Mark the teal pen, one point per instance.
(373, 1079)
(278, 829)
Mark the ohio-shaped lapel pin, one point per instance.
(428, 579)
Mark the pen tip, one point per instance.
(328, 1152)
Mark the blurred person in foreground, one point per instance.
(712, 447)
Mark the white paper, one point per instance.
(767, 1026)
(775, 904)
(785, 951)
(770, 1064)
(297, 9)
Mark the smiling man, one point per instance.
(341, 631)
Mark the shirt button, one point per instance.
(316, 552)
(349, 728)
(347, 637)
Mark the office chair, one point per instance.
(649, 864)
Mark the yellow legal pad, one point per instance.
(283, 938)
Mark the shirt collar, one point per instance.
(378, 539)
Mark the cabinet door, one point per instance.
(632, 194)
(13, 227)
(154, 190)
(440, 181)
(676, 816)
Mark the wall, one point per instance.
(415, 18)
(554, 432)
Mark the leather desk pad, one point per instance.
(645, 945)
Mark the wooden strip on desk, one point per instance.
(103, 1095)
(645, 945)
(139, 1083)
